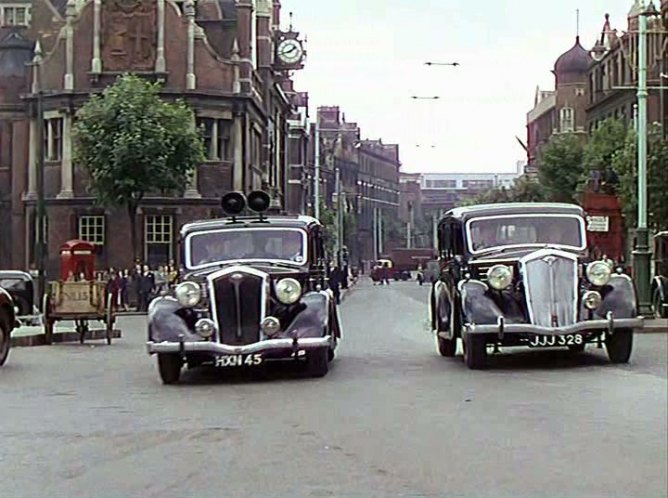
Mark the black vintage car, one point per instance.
(660, 280)
(7, 323)
(20, 286)
(518, 275)
(252, 289)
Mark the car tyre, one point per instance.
(657, 305)
(5, 342)
(169, 366)
(446, 347)
(475, 352)
(317, 362)
(619, 345)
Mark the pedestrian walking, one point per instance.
(125, 290)
(113, 288)
(335, 277)
(145, 288)
(385, 274)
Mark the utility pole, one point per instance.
(380, 233)
(339, 215)
(375, 234)
(409, 227)
(641, 253)
(40, 218)
(316, 176)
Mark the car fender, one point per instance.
(7, 308)
(164, 323)
(314, 320)
(619, 297)
(477, 306)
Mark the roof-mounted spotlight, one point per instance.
(259, 201)
(233, 203)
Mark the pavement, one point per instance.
(391, 419)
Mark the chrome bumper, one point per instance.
(216, 348)
(609, 324)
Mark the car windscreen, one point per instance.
(518, 230)
(267, 244)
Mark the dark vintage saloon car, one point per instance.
(252, 289)
(518, 275)
(20, 286)
(7, 323)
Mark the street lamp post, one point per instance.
(641, 252)
(316, 176)
(40, 218)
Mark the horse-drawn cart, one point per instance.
(77, 296)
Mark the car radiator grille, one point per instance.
(238, 300)
(550, 283)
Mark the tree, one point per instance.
(132, 144)
(527, 190)
(561, 167)
(625, 164)
(605, 142)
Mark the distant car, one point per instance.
(253, 289)
(516, 275)
(20, 286)
(660, 280)
(7, 323)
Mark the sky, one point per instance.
(367, 56)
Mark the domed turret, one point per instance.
(575, 61)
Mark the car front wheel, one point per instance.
(169, 366)
(317, 362)
(475, 351)
(5, 342)
(619, 345)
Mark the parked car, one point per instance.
(516, 275)
(20, 286)
(253, 289)
(7, 323)
(660, 280)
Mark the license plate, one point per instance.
(239, 360)
(547, 341)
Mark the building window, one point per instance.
(567, 119)
(158, 239)
(53, 139)
(14, 15)
(224, 141)
(91, 229)
(205, 126)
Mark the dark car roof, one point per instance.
(15, 274)
(468, 212)
(305, 222)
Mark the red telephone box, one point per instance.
(77, 257)
(605, 224)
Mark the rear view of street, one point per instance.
(391, 419)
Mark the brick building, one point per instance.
(562, 110)
(220, 56)
(613, 75)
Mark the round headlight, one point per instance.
(205, 327)
(598, 273)
(591, 299)
(288, 290)
(188, 293)
(271, 325)
(499, 276)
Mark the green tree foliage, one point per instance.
(527, 190)
(132, 144)
(625, 164)
(604, 144)
(561, 167)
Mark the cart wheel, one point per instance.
(47, 320)
(109, 318)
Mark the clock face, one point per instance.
(290, 51)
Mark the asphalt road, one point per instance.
(391, 419)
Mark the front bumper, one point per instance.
(608, 324)
(215, 348)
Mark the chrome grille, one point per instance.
(550, 282)
(238, 303)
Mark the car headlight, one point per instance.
(598, 273)
(188, 293)
(592, 299)
(499, 276)
(288, 290)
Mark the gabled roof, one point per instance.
(15, 52)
